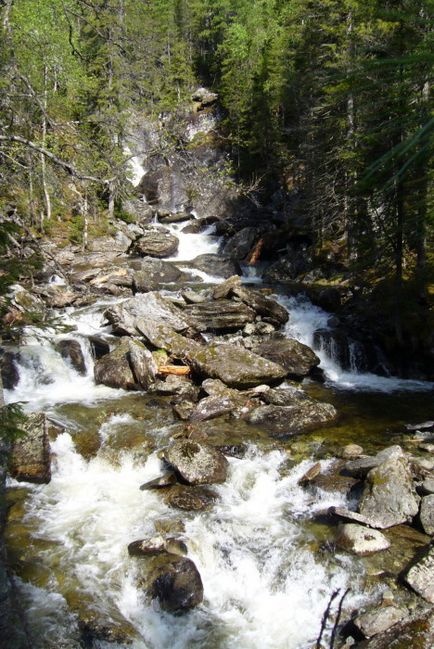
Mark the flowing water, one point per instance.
(267, 568)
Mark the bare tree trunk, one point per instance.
(43, 163)
(85, 210)
(31, 193)
(6, 14)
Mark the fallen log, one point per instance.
(177, 370)
(254, 254)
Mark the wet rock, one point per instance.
(216, 265)
(221, 315)
(360, 468)
(311, 474)
(236, 367)
(389, 497)
(145, 311)
(99, 347)
(198, 225)
(348, 515)
(351, 451)
(420, 576)
(298, 359)
(70, 349)
(114, 369)
(239, 246)
(156, 242)
(30, 456)
(379, 620)
(150, 274)
(174, 217)
(197, 463)
(361, 540)
(283, 421)
(157, 545)
(190, 498)
(176, 583)
(162, 482)
(269, 309)
(142, 364)
(427, 514)
(416, 633)
(223, 289)
(423, 426)
(284, 396)
(183, 410)
(331, 480)
(58, 297)
(212, 407)
(9, 370)
(428, 485)
(180, 387)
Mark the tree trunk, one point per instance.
(43, 163)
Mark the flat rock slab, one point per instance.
(197, 463)
(30, 456)
(361, 540)
(221, 315)
(389, 497)
(283, 421)
(149, 274)
(420, 576)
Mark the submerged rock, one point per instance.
(389, 497)
(30, 456)
(176, 583)
(156, 242)
(70, 349)
(299, 360)
(197, 463)
(189, 499)
(283, 421)
(361, 540)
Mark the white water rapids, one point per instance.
(265, 588)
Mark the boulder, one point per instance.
(143, 312)
(176, 583)
(58, 297)
(117, 244)
(298, 359)
(361, 540)
(139, 209)
(389, 497)
(150, 274)
(180, 387)
(269, 309)
(285, 421)
(113, 277)
(239, 246)
(427, 514)
(204, 97)
(216, 265)
(156, 242)
(220, 315)
(156, 545)
(30, 456)
(414, 633)
(9, 370)
(222, 290)
(360, 468)
(142, 363)
(114, 369)
(70, 349)
(197, 463)
(428, 485)
(189, 499)
(235, 366)
(198, 225)
(212, 407)
(420, 575)
(378, 620)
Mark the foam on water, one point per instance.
(263, 586)
(193, 245)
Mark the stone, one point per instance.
(195, 297)
(211, 407)
(156, 242)
(58, 297)
(221, 315)
(285, 421)
(180, 387)
(176, 583)
(351, 451)
(310, 474)
(9, 370)
(30, 456)
(428, 485)
(360, 468)
(70, 349)
(348, 515)
(216, 265)
(190, 498)
(197, 463)
(361, 540)
(389, 497)
(378, 620)
(183, 410)
(423, 426)
(241, 243)
(298, 359)
(427, 514)
(142, 364)
(162, 482)
(114, 369)
(420, 576)
(269, 309)
(157, 545)
(222, 290)
(114, 277)
(204, 97)
(414, 633)
(150, 274)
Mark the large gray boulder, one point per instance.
(197, 463)
(414, 633)
(379, 620)
(30, 456)
(142, 363)
(176, 583)
(361, 540)
(299, 360)
(216, 265)
(221, 315)
(269, 309)
(239, 246)
(360, 467)
(285, 421)
(149, 274)
(389, 497)
(114, 369)
(420, 575)
(156, 242)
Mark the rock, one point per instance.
(216, 265)
(283, 421)
(361, 540)
(183, 410)
(236, 367)
(150, 274)
(389, 497)
(222, 290)
(70, 349)
(197, 463)
(310, 474)
(428, 485)
(284, 396)
(114, 369)
(298, 359)
(198, 225)
(164, 337)
(221, 315)
(143, 312)
(416, 633)
(176, 583)
(420, 576)
(25, 301)
(139, 209)
(269, 309)
(9, 370)
(204, 97)
(157, 545)
(119, 243)
(378, 620)
(166, 480)
(156, 242)
(113, 277)
(212, 407)
(58, 297)
(191, 498)
(174, 217)
(239, 246)
(30, 456)
(427, 514)
(99, 347)
(142, 364)
(424, 426)
(348, 515)
(195, 297)
(360, 468)
(180, 387)
(351, 451)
